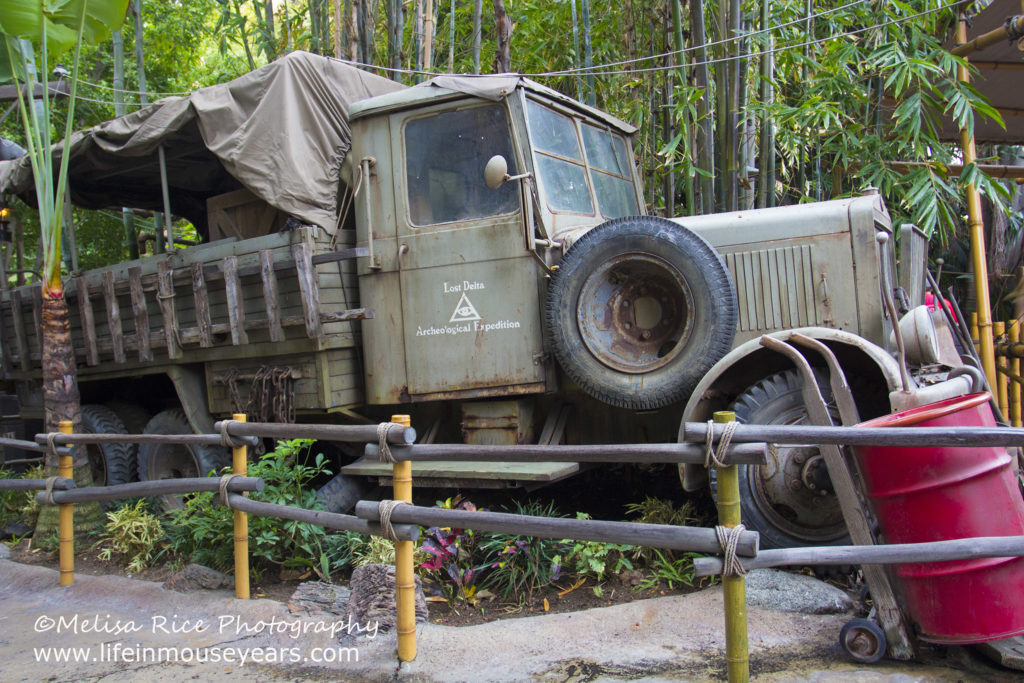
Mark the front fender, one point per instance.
(872, 370)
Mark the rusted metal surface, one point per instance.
(634, 312)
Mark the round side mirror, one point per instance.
(495, 172)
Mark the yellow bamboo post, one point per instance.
(977, 235)
(405, 579)
(734, 588)
(66, 523)
(1015, 412)
(1002, 381)
(240, 465)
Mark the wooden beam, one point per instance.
(17, 311)
(113, 317)
(165, 296)
(233, 292)
(9, 93)
(202, 305)
(141, 314)
(309, 289)
(85, 313)
(270, 295)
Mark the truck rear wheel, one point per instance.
(789, 501)
(174, 460)
(639, 310)
(111, 463)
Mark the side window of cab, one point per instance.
(445, 155)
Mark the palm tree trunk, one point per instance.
(60, 396)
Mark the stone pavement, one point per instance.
(119, 629)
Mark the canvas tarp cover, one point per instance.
(280, 131)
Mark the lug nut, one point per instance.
(794, 484)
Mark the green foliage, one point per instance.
(520, 565)
(18, 506)
(134, 532)
(595, 560)
(665, 567)
(203, 530)
(452, 558)
(660, 511)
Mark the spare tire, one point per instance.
(639, 310)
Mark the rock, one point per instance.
(785, 592)
(15, 530)
(317, 597)
(373, 597)
(5, 552)
(197, 577)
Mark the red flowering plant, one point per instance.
(451, 563)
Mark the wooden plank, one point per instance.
(270, 295)
(165, 296)
(308, 287)
(202, 305)
(92, 354)
(141, 314)
(233, 292)
(113, 317)
(17, 311)
(37, 314)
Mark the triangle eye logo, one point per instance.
(464, 311)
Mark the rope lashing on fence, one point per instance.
(386, 508)
(227, 440)
(223, 488)
(51, 445)
(48, 490)
(729, 538)
(382, 442)
(710, 456)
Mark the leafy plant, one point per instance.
(660, 511)
(451, 556)
(595, 560)
(204, 532)
(15, 505)
(519, 565)
(670, 569)
(134, 532)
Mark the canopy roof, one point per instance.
(280, 131)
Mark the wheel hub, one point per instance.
(634, 312)
(793, 492)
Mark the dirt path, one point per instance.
(116, 622)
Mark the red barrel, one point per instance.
(939, 494)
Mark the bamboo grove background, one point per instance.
(740, 104)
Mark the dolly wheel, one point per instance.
(863, 640)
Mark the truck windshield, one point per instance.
(577, 161)
(445, 155)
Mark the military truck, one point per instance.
(473, 251)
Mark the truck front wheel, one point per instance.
(789, 501)
(176, 460)
(639, 310)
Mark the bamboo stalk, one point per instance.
(933, 551)
(1015, 411)
(405, 579)
(669, 537)
(67, 517)
(740, 454)
(734, 587)
(240, 465)
(1002, 382)
(977, 235)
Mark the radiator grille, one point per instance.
(774, 288)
